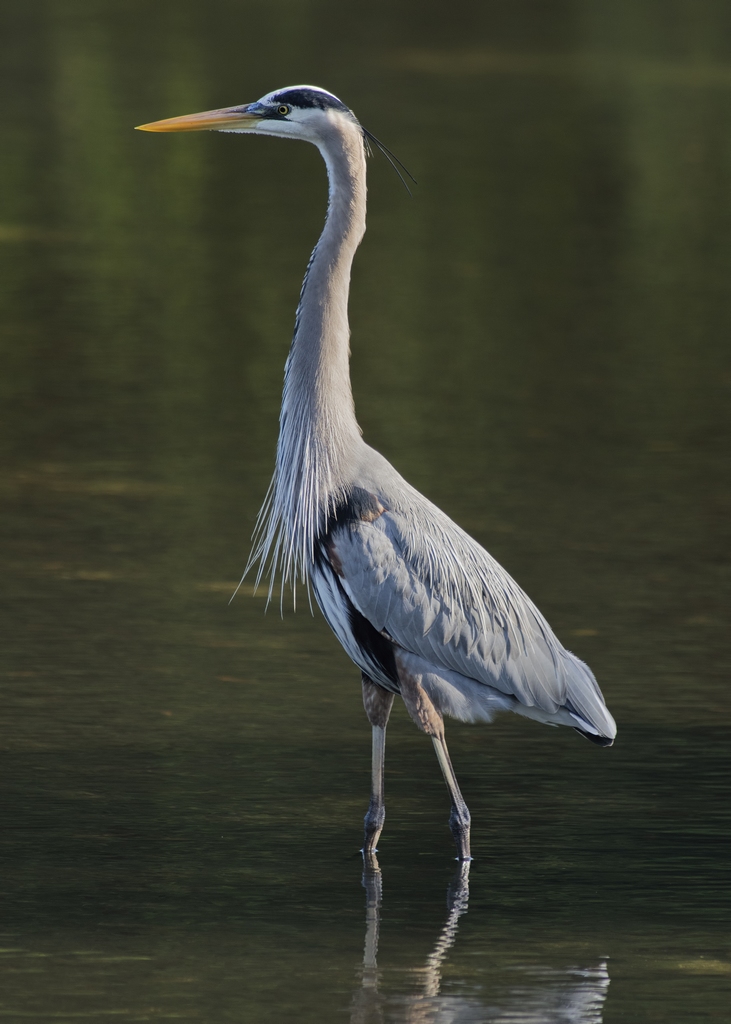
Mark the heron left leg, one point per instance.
(377, 703)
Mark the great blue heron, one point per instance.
(421, 608)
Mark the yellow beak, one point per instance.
(208, 120)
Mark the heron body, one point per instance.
(419, 606)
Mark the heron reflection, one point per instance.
(538, 995)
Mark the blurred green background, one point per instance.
(540, 344)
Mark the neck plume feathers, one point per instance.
(319, 435)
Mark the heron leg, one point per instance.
(377, 703)
(429, 719)
(459, 817)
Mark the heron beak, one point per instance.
(225, 119)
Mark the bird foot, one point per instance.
(373, 823)
(459, 824)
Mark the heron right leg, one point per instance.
(377, 703)
(459, 818)
(429, 719)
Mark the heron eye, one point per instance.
(284, 109)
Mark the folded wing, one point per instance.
(425, 583)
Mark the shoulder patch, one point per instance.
(360, 506)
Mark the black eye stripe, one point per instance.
(309, 98)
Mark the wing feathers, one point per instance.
(440, 596)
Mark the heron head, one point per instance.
(297, 112)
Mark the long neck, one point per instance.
(318, 400)
(319, 433)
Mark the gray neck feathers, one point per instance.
(319, 434)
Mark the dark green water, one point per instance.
(540, 343)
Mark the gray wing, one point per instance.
(416, 576)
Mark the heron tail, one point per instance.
(585, 703)
(601, 741)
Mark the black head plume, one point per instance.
(391, 157)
